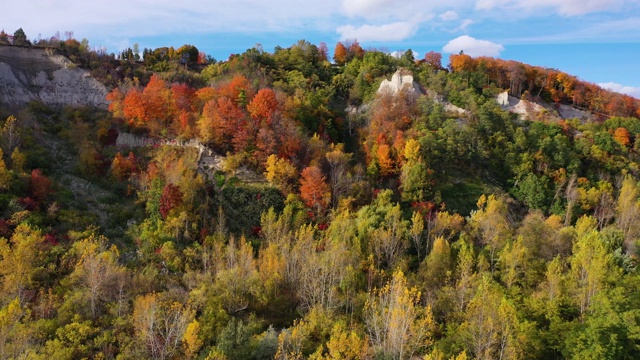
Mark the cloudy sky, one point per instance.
(597, 40)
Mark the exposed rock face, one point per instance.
(449, 107)
(28, 74)
(531, 110)
(400, 81)
(525, 109)
(568, 112)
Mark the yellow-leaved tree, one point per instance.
(491, 225)
(281, 173)
(5, 175)
(20, 261)
(491, 329)
(160, 324)
(397, 324)
(97, 275)
(344, 344)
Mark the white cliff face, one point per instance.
(399, 82)
(531, 110)
(33, 74)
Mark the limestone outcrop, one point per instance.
(400, 81)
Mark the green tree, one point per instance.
(72, 341)
(609, 332)
(533, 191)
(490, 328)
(416, 177)
(436, 269)
(591, 268)
(388, 242)
(490, 224)
(20, 38)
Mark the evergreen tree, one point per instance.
(20, 38)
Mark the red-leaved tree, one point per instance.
(170, 199)
(40, 186)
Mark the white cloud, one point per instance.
(473, 47)
(368, 8)
(573, 7)
(398, 10)
(562, 7)
(622, 89)
(449, 16)
(465, 23)
(398, 54)
(121, 18)
(491, 4)
(396, 31)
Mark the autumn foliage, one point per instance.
(170, 199)
(314, 190)
(122, 167)
(545, 84)
(340, 54)
(263, 106)
(434, 59)
(40, 185)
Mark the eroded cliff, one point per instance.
(28, 74)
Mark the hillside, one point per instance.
(284, 206)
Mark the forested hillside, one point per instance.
(278, 206)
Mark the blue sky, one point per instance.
(596, 40)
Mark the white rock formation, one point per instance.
(526, 109)
(28, 74)
(531, 110)
(568, 112)
(400, 81)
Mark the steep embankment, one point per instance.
(531, 110)
(28, 74)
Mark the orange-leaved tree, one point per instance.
(340, 54)
(221, 120)
(159, 108)
(133, 108)
(314, 190)
(263, 106)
